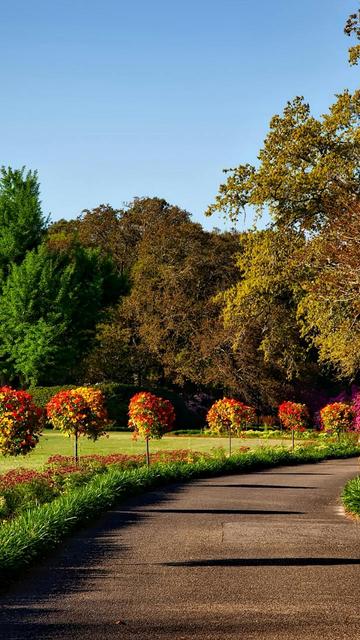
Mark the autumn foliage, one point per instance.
(20, 422)
(79, 411)
(150, 416)
(294, 416)
(229, 414)
(337, 417)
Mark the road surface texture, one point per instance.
(262, 555)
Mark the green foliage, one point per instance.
(22, 224)
(351, 496)
(186, 432)
(307, 166)
(48, 312)
(117, 398)
(329, 310)
(23, 496)
(260, 317)
(34, 533)
(352, 28)
(155, 334)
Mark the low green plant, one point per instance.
(351, 496)
(25, 496)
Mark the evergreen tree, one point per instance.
(22, 224)
(50, 305)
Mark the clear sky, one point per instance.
(113, 99)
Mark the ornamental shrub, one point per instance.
(79, 411)
(356, 407)
(338, 418)
(117, 397)
(230, 416)
(20, 422)
(294, 416)
(150, 416)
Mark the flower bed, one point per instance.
(25, 488)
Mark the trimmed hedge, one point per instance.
(31, 535)
(351, 497)
(117, 397)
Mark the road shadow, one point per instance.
(227, 512)
(265, 562)
(297, 473)
(253, 486)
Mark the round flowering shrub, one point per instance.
(356, 406)
(20, 422)
(337, 417)
(294, 416)
(79, 411)
(230, 416)
(150, 416)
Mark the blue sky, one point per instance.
(111, 99)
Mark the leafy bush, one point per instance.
(351, 496)
(230, 415)
(337, 417)
(356, 407)
(78, 411)
(294, 416)
(20, 422)
(117, 397)
(42, 395)
(150, 416)
(186, 432)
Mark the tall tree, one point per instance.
(308, 167)
(22, 225)
(352, 28)
(329, 312)
(177, 268)
(49, 307)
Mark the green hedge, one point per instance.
(34, 533)
(117, 397)
(351, 496)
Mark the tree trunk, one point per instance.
(76, 454)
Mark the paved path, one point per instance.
(263, 555)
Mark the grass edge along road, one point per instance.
(34, 533)
(351, 497)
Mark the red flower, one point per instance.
(294, 416)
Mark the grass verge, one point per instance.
(34, 533)
(351, 497)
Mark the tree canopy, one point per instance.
(22, 224)
(307, 167)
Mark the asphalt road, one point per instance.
(262, 555)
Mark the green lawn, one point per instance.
(52, 443)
